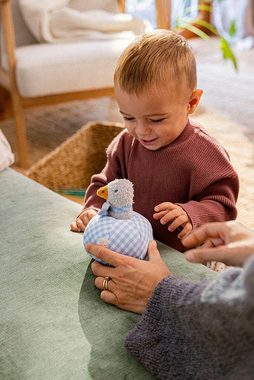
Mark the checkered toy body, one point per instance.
(127, 236)
(117, 226)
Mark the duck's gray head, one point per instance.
(119, 193)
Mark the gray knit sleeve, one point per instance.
(199, 330)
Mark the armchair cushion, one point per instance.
(46, 69)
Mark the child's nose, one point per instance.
(142, 128)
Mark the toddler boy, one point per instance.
(182, 176)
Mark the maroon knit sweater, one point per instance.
(193, 171)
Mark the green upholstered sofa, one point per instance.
(53, 324)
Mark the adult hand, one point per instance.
(132, 281)
(174, 214)
(228, 242)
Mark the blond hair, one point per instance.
(154, 59)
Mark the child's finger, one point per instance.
(159, 215)
(91, 214)
(163, 206)
(74, 227)
(170, 216)
(80, 225)
(85, 219)
(178, 221)
(185, 231)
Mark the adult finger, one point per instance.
(153, 252)
(100, 270)
(109, 297)
(157, 262)
(229, 256)
(214, 242)
(103, 253)
(104, 283)
(203, 233)
(112, 298)
(202, 255)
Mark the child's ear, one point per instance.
(194, 100)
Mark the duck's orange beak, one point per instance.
(103, 192)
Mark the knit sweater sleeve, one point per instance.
(114, 168)
(198, 330)
(216, 204)
(214, 184)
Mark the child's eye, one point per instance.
(128, 118)
(156, 120)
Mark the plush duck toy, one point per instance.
(116, 225)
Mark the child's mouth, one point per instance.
(147, 142)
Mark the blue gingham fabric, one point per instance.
(127, 236)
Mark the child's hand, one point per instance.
(82, 220)
(168, 212)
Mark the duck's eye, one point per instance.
(116, 190)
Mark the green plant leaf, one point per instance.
(201, 7)
(192, 26)
(193, 29)
(207, 25)
(232, 28)
(227, 52)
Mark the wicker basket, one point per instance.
(71, 165)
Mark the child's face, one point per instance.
(158, 116)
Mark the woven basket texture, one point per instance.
(72, 164)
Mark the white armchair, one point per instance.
(47, 73)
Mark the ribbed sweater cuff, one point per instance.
(157, 334)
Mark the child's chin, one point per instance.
(151, 146)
